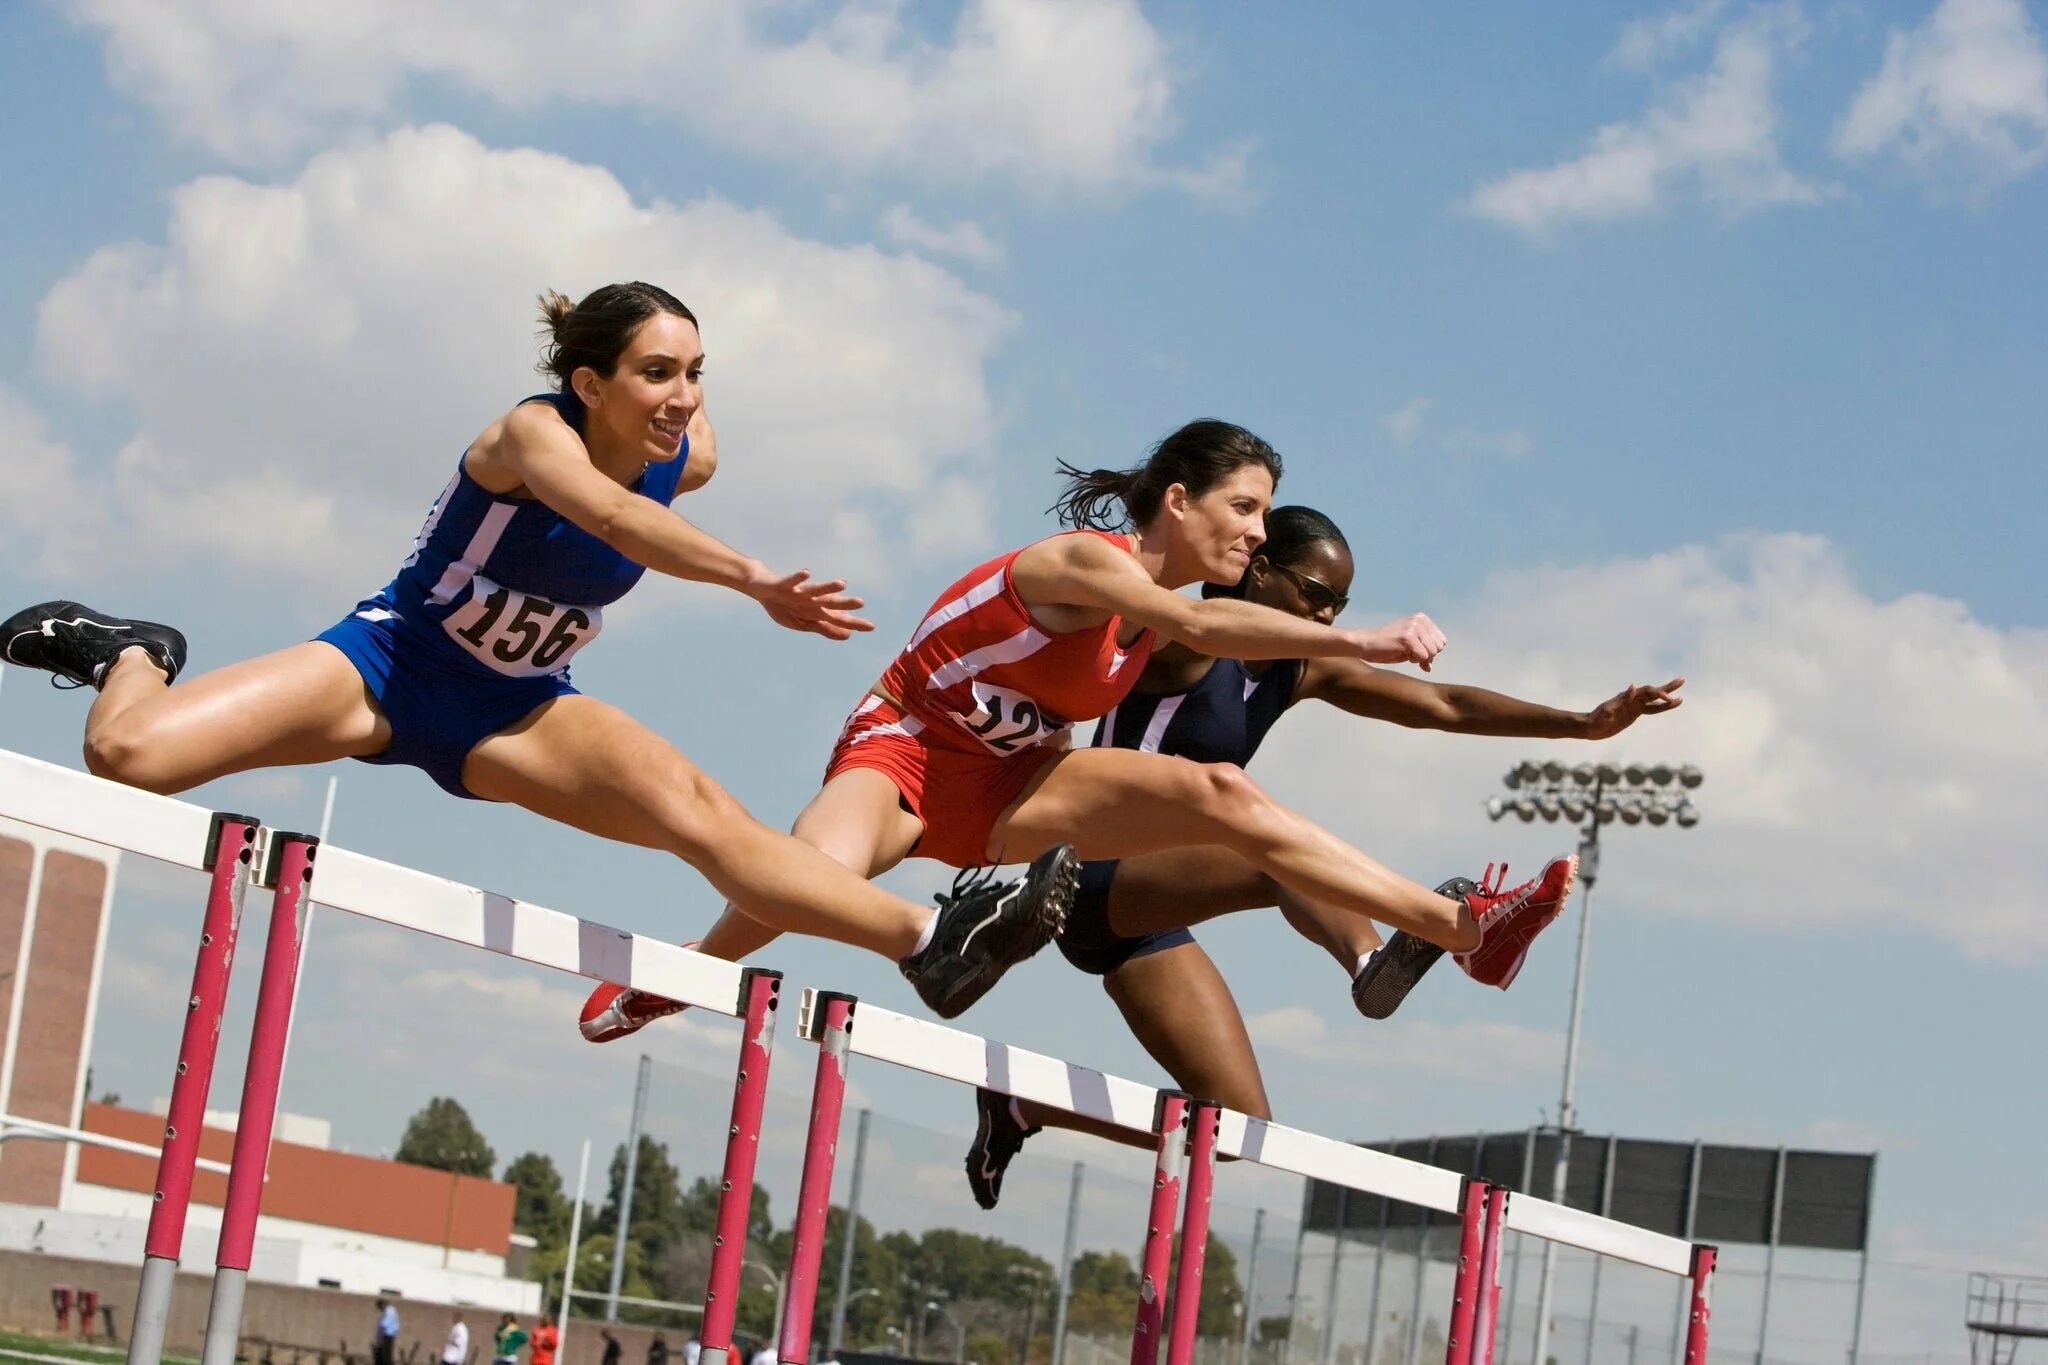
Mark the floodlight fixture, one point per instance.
(1583, 774)
(1687, 815)
(1495, 807)
(1661, 774)
(1553, 771)
(1635, 774)
(1690, 776)
(1547, 806)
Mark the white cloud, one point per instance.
(1858, 750)
(965, 239)
(1714, 132)
(1058, 94)
(1477, 1051)
(1962, 99)
(1405, 422)
(305, 362)
(1649, 42)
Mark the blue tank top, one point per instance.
(1221, 719)
(508, 583)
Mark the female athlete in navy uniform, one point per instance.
(460, 666)
(1130, 919)
(958, 753)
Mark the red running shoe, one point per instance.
(1510, 920)
(612, 1012)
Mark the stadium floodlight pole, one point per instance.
(1599, 794)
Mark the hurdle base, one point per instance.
(714, 1355)
(152, 1310)
(224, 1316)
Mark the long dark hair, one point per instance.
(1291, 532)
(1198, 457)
(595, 330)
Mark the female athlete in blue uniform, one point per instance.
(1130, 919)
(460, 666)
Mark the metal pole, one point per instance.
(860, 1161)
(1328, 1352)
(1379, 1266)
(758, 994)
(290, 874)
(1294, 1278)
(306, 922)
(1763, 1326)
(1251, 1288)
(1507, 1331)
(1606, 1205)
(832, 1023)
(569, 1267)
(1059, 1316)
(623, 1231)
(1692, 1210)
(232, 840)
(1863, 1270)
(1205, 1121)
(1567, 1115)
(1170, 1123)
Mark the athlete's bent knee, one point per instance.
(1225, 792)
(121, 754)
(703, 818)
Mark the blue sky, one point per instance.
(1624, 341)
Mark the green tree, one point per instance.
(1105, 1288)
(443, 1137)
(540, 1209)
(1222, 1295)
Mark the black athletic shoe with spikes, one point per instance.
(998, 1137)
(79, 645)
(1379, 990)
(986, 927)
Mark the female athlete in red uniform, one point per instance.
(960, 751)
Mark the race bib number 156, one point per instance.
(518, 635)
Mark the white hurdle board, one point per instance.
(75, 803)
(956, 1055)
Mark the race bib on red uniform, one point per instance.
(1006, 721)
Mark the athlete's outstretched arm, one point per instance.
(1084, 571)
(1364, 690)
(551, 460)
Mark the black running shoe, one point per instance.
(79, 644)
(1379, 990)
(987, 927)
(998, 1138)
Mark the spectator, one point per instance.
(510, 1337)
(545, 1340)
(457, 1349)
(657, 1350)
(764, 1354)
(385, 1342)
(611, 1346)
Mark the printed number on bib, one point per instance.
(1006, 722)
(521, 636)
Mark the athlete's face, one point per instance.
(1315, 586)
(1227, 524)
(652, 394)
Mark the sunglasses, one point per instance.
(1319, 595)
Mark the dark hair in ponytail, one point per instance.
(1198, 457)
(595, 331)
(1291, 532)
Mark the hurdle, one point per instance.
(237, 852)
(1192, 1135)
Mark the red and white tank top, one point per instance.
(985, 677)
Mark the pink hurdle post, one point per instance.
(290, 873)
(1489, 1275)
(1204, 1122)
(1169, 1119)
(1703, 1258)
(759, 995)
(1465, 1300)
(814, 1195)
(230, 844)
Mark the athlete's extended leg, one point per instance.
(1178, 888)
(1182, 1013)
(590, 765)
(303, 704)
(1116, 803)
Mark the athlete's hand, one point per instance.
(1410, 640)
(1624, 708)
(795, 602)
